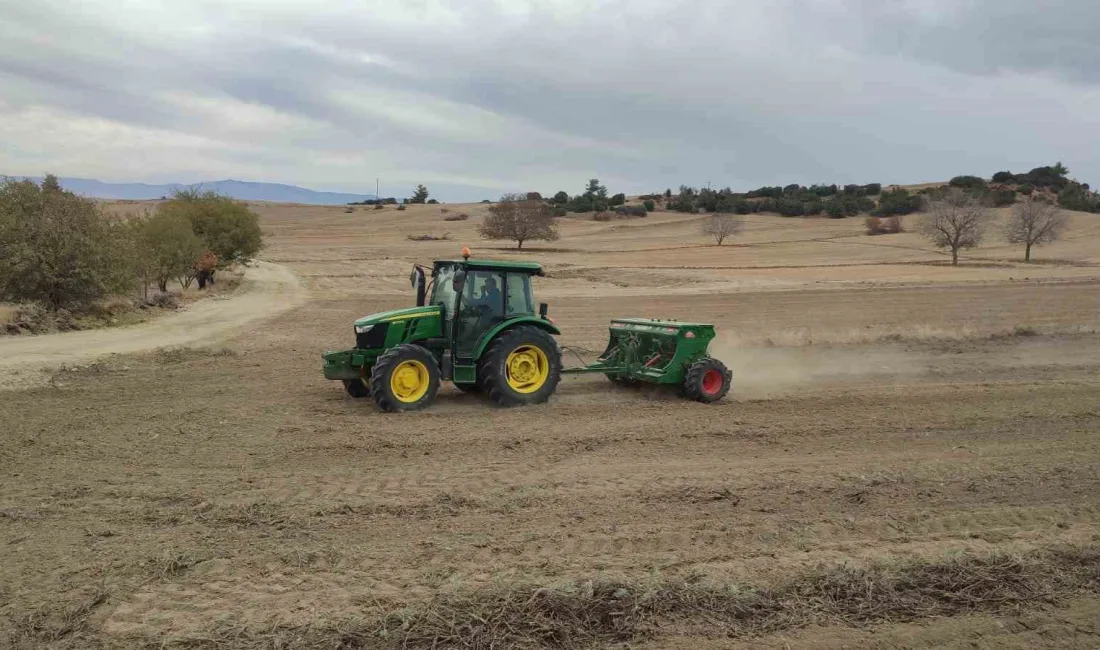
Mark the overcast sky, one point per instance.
(478, 97)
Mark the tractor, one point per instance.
(475, 324)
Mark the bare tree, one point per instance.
(721, 225)
(1035, 222)
(954, 222)
(520, 220)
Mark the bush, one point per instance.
(561, 198)
(1004, 177)
(603, 216)
(873, 225)
(1001, 198)
(227, 227)
(461, 216)
(649, 205)
(1075, 197)
(58, 248)
(401, 207)
(534, 196)
(429, 237)
(872, 189)
(618, 199)
(349, 210)
(968, 182)
(433, 202)
(631, 210)
(896, 202)
(883, 225)
(560, 211)
(1025, 189)
(166, 248)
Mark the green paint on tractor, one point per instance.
(475, 324)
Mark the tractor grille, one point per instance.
(374, 339)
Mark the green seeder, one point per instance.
(475, 325)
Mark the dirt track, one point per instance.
(266, 289)
(196, 499)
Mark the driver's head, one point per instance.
(490, 285)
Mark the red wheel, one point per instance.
(712, 382)
(707, 380)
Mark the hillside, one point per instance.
(243, 190)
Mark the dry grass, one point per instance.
(600, 612)
(430, 237)
(7, 312)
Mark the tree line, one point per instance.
(64, 251)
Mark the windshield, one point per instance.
(443, 291)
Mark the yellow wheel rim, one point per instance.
(409, 381)
(527, 369)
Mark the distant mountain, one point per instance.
(243, 190)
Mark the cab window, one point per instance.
(519, 295)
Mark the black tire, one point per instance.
(493, 371)
(357, 387)
(699, 381)
(381, 386)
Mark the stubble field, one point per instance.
(909, 457)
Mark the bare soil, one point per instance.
(909, 458)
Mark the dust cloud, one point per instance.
(760, 372)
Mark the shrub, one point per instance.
(561, 198)
(721, 226)
(603, 216)
(872, 189)
(968, 182)
(58, 248)
(1026, 189)
(560, 211)
(227, 227)
(892, 225)
(873, 225)
(894, 202)
(428, 237)
(618, 199)
(349, 210)
(461, 216)
(534, 196)
(1000, 198)
(649, 205)
(166, 248)
(1004, 177)
(631, 210)
(401, 207)
(433, 202)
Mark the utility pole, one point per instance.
(376, 197)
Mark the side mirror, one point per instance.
(543, 309)
(420, 285)
(459, 282)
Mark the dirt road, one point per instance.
(266, 290)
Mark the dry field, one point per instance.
(910, 457)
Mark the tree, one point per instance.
(595, 190)
(58, 248)
(954, 222)
(1033, 223)
(721, 225)
(227, 227)
(51, 184)
(561, 198)
(420, 195)
(169, 249)
(618, 199)
(519, 220)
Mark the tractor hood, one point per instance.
(397, 314)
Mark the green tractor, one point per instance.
(475, 324)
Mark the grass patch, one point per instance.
(429, 237)
(602, 612)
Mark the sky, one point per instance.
(482, 97)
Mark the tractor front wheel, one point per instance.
(405, 378)
(521, 366)
(707, 380)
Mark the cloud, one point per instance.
(483, 97)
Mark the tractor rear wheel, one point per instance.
(357, 387)
(521, 366)
(405, 378)
(707, 380)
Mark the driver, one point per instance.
(490, 294)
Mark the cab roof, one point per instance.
(533, 268)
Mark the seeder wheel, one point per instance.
(707, 380)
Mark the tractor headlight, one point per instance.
(363, 329)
